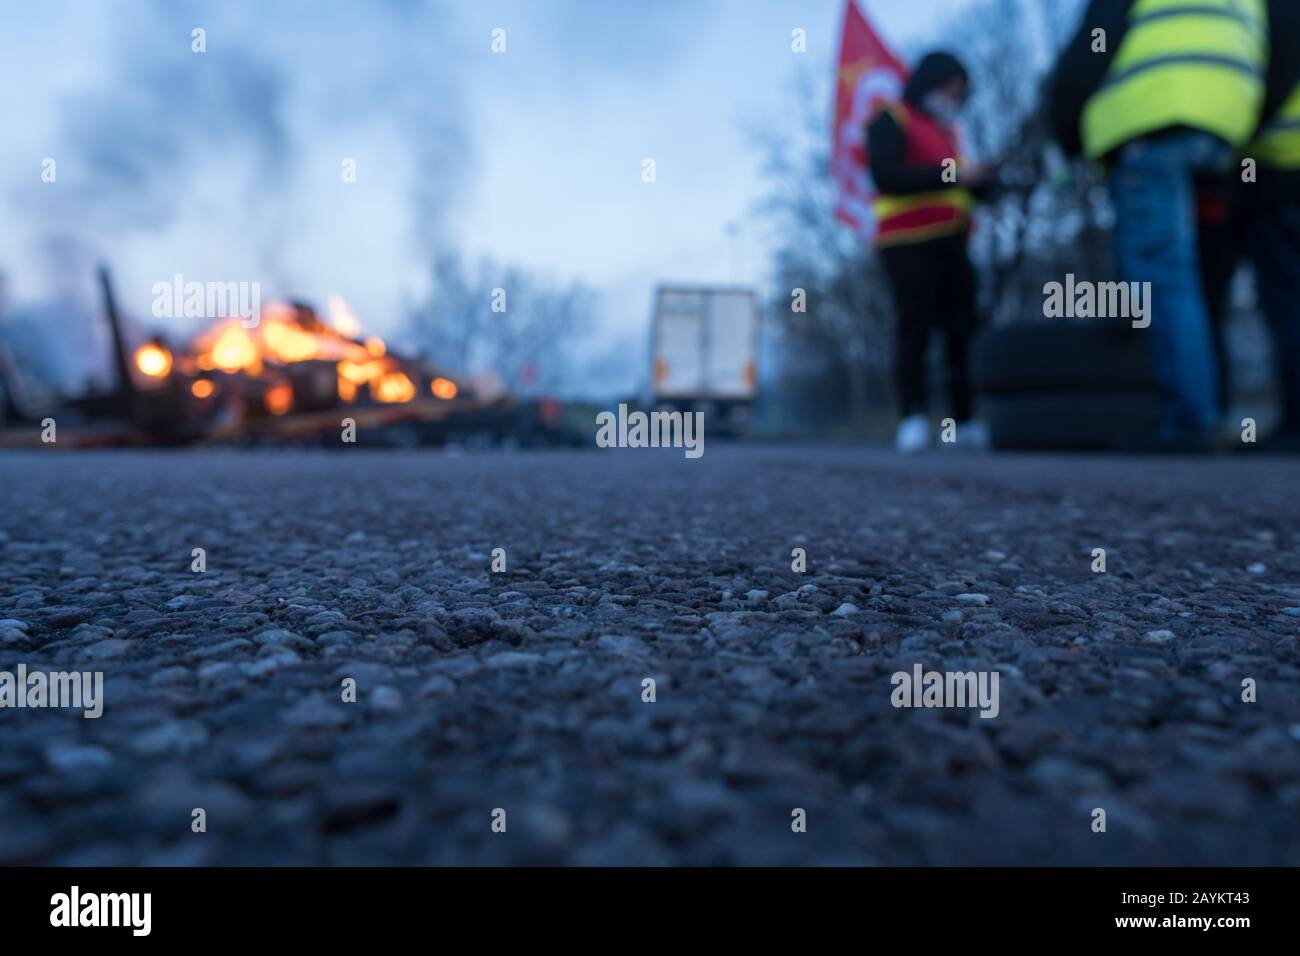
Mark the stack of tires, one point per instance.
(1058, 387)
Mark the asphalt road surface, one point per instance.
(518, 698)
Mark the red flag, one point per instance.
(868, 75)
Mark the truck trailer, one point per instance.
(704, 348)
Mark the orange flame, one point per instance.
(289, 343)
(392, 387)
(286, 335)
(154, 360)
(234, 350)
(341, 317)
(279, 398)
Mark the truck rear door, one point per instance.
(679, 366)
(729, 345)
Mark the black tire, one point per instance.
(1071, 421)
(1105, 356)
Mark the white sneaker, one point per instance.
(972, 436)
(913, 434)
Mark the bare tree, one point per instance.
(501, 319)
(829, 303)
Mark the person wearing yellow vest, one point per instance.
(923, 219)
(1163, 92)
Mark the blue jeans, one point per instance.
(1154, 196)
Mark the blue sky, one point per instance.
(166, 164)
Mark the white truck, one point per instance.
(704, 348)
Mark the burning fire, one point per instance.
(234, 350)
(154, 360)
(288, 335)
(341, 317)
(392, 387)
(289, 343)
(293, 360)
(279, 398)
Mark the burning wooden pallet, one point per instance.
(289, 375)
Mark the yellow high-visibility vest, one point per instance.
(1278, 145)
(1193, 63)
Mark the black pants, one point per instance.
(1220, 253)
(1268, 235)
(934, 287)
(1274, 247)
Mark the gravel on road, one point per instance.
(506, 716)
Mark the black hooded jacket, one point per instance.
(1284, 56)
(1079, 71)
(887, 141)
